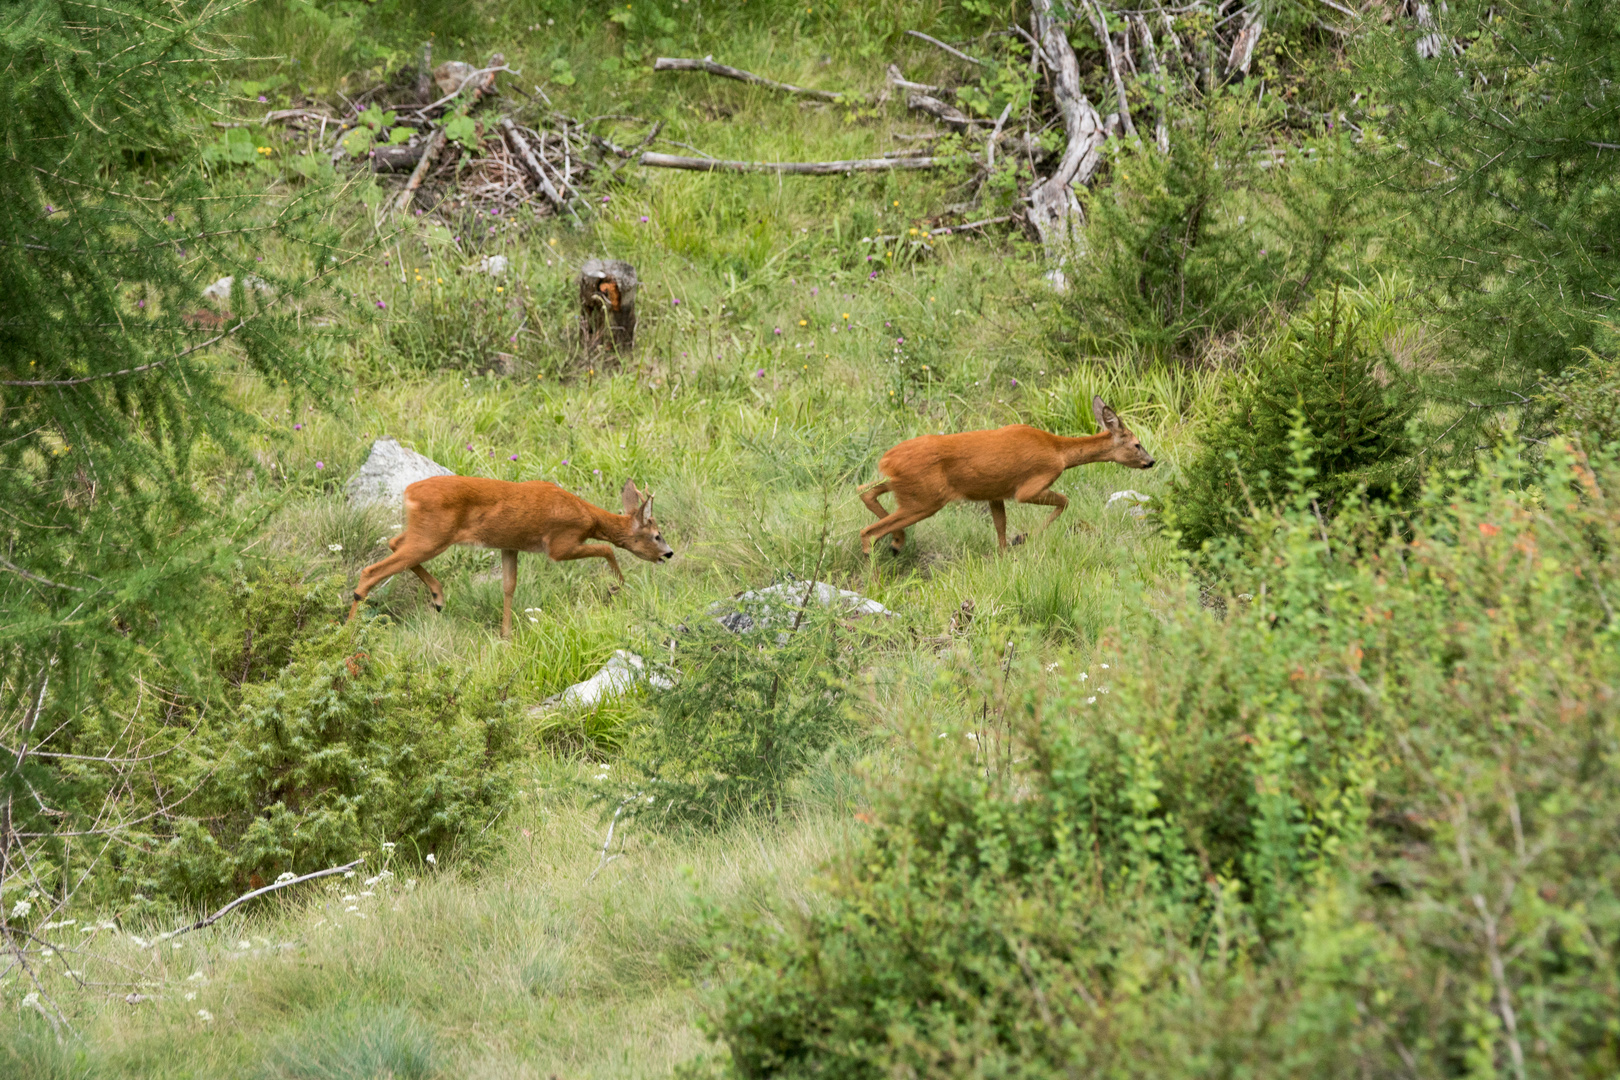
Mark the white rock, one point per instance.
(1132, 501)
(494, 265)
(779, 605)
(221, 289)
(623, 670)
(388, 471)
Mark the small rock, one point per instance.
(1133, 501)
(623, 670)
(493, 265)
(221, 289)
(779, 605)
(388, 471)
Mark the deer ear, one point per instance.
(646, 509)
(630, 497)
(1107, 418)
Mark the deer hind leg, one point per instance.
(870, 498)
(897, 523)
(508, 586)
(405, 557)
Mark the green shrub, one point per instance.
(746, 715)
(1364, 823)
(1583, 401)
(1319, 375)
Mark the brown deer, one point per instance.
(533, 516)
(1015, 462)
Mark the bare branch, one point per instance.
(958, 53)
(666, 63)
(802, 168)
(245, 897)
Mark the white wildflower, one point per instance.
(350, 898)
(432, 859)
(388, 845)
(196, 976)
(288, 876)
(205, 1016)
(366, 894)
(351, 907)
(30, 1001)
(244, 945)
(191, 995)
(21, 909)
(334, 547)
(349, 874)
(1092, 700)
(410, 883)
(140, 943)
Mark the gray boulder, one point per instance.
(388, 471)
(778, 606)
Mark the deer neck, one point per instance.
(1085, 449)
(614, 528)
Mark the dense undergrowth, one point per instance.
(1308, 770)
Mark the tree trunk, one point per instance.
(607, 307)
(397, 158)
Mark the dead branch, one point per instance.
(803, 168)
(1099, 22)
(1052, 201)
(435, 144)
(522, 147)
(1150, 58)
(952, 118)
(666, 63)
(898, 81)
(1243, 45)
(958, 53)
(948, 230)
(245, 897)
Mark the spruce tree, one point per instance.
(111, 370)
(1501, 128)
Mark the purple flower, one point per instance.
(49, 209)
(320, 464)
(1015, 382)
(259, 259)
(512, 458)
(597, 472)
(873, 276)
(169, 219)
(885, 324)
(605, 198)
(643, 219)
(760, 374)
(492, 453)
(263, 100)
(565, 461)
(419, 213)
(777, 331)
(382, 304)
(140, 304)
(492, 228)
(814, 292)
(495, 212)
(298, 427)
(469, 446)
(677, 303)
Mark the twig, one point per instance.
(990, 143)
(666, 63)
(809, 168)
(474, 78)
(606, 843)
(20, 572)
(245, 897)
(686, 146)
(958, 53)
(435, 143)
(125, 371)
(522, 146)
(645, 142)
(1101, 24)
(899, 81)
(974, 225)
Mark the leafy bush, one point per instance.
(1318, 375)
(1583, 401)
(745, 716)
(1364, 823)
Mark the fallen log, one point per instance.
(952, 118)
(430, 151)
(396, 158)
(804, 168)
(667, 63)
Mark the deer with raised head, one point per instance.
(534, 516)
(1016, 462)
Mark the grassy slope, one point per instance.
(529, 968)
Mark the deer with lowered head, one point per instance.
(534, 516)
(1016, 462)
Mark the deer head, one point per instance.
(1124, 448)
(645, 540)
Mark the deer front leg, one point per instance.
(1047, 498)
(998, 514)
(587, 551)
(405, 557)
(508, 586)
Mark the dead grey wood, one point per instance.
(430, 153)
(952, 118)
(938, 44)
(245, 897)
(1052, 202)
(521, 145)
(803, 168)
(667, 63)
(396, 158)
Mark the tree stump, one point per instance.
(607, 306)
